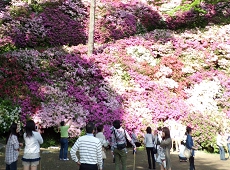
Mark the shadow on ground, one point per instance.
(50, 161)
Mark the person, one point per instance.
(118, 145)
(156, 142)
(190, 145)
(177, 138)
(135, 139)
(90, 150)
(64, 139)
(220, 143)
(104, 142)
(182, 158)
(150, 146)
(33, 139)
(228, 142)
(173, 135)
(166, 145)
(12, 148)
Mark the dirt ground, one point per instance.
(50, 161)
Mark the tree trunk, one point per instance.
(91, 27)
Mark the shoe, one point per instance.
(60, 159)
(66, 159)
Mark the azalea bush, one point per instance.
(66, 23)
(142, 80)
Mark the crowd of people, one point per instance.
(92, 146)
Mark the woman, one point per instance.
(166, 145)
(12, 148)
(189, 145)
(104, 142)
(149, 144)
(33, 139)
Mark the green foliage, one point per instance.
(49, 142)
(7, 48)
(73, 139)
(214, 1)
(16, 11)
(195, 5)
(125, 76)
(37, 8)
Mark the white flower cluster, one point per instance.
(167, 82)
(7, 116)
(163, 80)
(163, 71)
(141, 54)
(202, 97)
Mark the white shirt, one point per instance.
(101, 137)
(219, 140)
(32, 145)
(181, 148)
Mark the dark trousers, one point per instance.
(12, 166)
(191, 162)
(150, 152)
(88, 167)
(64, 148)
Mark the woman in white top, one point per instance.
(149, 144)
(33, 139)
(104, 142)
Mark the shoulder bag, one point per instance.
(120, 146)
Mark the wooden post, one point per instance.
(91, 27)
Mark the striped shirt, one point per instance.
(89, 148)
(119, 137)
(12, 147)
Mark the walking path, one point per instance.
(203, 161)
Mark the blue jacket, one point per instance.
(189, 143)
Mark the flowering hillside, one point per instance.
(142, 79)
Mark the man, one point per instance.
(64, 139)
(118, 145)
(90, 150)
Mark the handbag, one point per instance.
(120, 146)
(154, 148)
(187, 152)
(103, 155)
